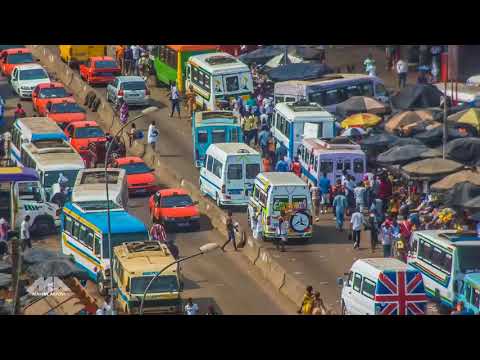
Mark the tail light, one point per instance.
(223, 189)
(147, 92)
(120, 92)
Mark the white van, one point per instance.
(229, 172)
(383, 286)
(277, 191)
(90, 190)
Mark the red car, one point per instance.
(140, 177)
(82, 133)
(43, 93)
(174, 208)
(64, 111)
(100, 70)
(12, 57)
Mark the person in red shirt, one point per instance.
(267, 164)
(297, 167)
(19, 112)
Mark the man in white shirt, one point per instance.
(25, 233)
(152, 135)
(191, 308)
(356, 221)
(175, 100)
(402, 71)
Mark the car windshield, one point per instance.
(175, 201)
(53, 93)
(33, 74)
(162, 284)
(88, 132)
(133, 85)
(51, 177)
(136, 168)
(64, 108)
(20, 58)
(105, 64)
(469, 258)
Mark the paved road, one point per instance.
(319, 263)
(225, 280)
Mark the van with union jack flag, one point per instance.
(383, 286)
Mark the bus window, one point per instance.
(380, 90)
(82, 235)
(171, 58)
(217, 168)
(331, 97)
(367, 89)
(67, 227)
(75, 229)
(315, 163)
(202, 137)
(299, 202)
(279, 99)
(347, 165)
(217, 80)
(29, 191)
(468, 292)
(357, 281)
(262, 198)
(290, 99)
(358, 166)
(235, 172)
(317, 97)
(98, 245)
(89, 238)
(251, 171)
(209, 163)
(218, 136)
(235, 135)
(353, 90)
(280, 203)
(231, 83)
(339, 165)
(326, 167)
(255, 192)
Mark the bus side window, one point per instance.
(380, 90)
(68, 224)
(75, 229)
(235, 135)
(357, 282)
(89, 238)
(468, 293)
(98, 245)
(209, 163)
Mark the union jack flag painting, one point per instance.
(400, 293)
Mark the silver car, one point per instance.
(132, 89)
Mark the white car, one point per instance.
(474, 80)
(26, 77)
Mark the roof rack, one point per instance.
(220, 60)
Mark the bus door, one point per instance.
(201, 146)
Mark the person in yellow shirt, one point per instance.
(119, 55)
(190, 100)
(307, 304)
(248, 128)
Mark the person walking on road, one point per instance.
(258, 226)
(318, 305)
(120, 56)
(356, 221)
(132, 134)
(359, 193)
(174, 100)
(158, 233)
(191, 308)
(263, 137)
(231, 228)
(190, 97)
(281, 232)
(340, 204)
(315, 193)
(128, 61)
(135, 58)
(370, 65)
(25, 233)
(152, 135)
(306, 307)
(123, 112)
(402, 71)
(282, 166)
(325, 188)
(19, 112)
(297, 167)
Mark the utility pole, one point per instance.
(445, 128)
(16, 272)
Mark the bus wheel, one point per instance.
(100, 286)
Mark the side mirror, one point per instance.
(340, 281)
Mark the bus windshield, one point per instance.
(162, 284)
(118, 239)
(469, 259)
(51, 177)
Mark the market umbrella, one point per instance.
(360, 104)
(353, 132)
(469, 175)
(401, 154)
(361, 120)
(465, 150)
(59, 267)
(402, 141)
(301, 71)
(469, 117)
(379, 140)
(262, 55)
(431, 168)
(279, 60)
(417, 97)
(400, 120)
(461, 195)
(38, 255)
(434, 137)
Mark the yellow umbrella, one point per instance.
(470, 117)
(361, 120)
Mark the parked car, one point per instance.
(12, 57)
(174, 208)
(65, 111)
(132, 89)
(100, 70)
(6, 47)
(44, 93)
(82, 133)
(26, 77)
(140, 178)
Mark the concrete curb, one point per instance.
(253, 251)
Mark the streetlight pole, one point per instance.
(203, 250)
(146, 111)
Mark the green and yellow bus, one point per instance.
(170, 61)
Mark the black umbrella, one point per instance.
(417, 97)
(464, 150)
(38, 255)
(434, 137)
(59, 267)
(379, 140)
(360, 104)
(401, 154)
(262, 55)
(402, 141)
(299, 71)
(462, 195)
